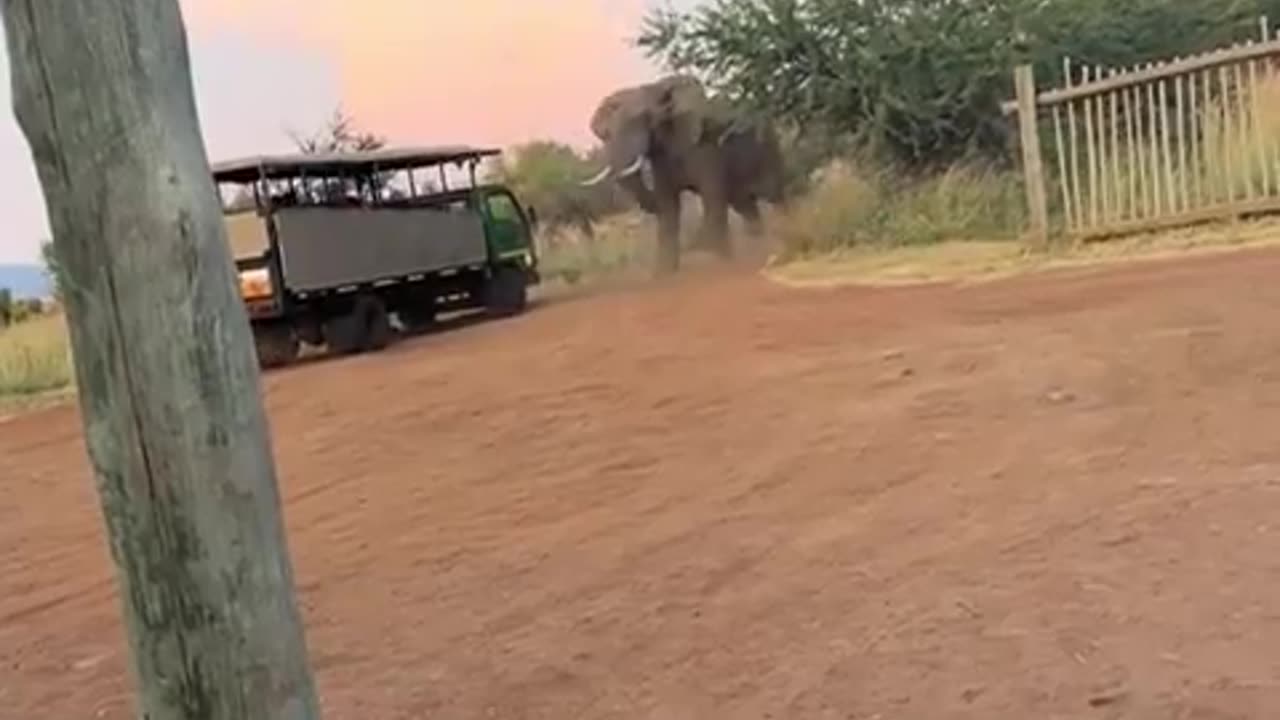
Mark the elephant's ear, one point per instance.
(723, 120)
(602, 118)
(683, 103)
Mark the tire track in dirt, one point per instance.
(717, 497)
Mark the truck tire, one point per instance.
(277, 345)
(378, 330)
(365, 326)
(419, 319)
(506, 291)
(344, 334)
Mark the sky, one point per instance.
(489, 72)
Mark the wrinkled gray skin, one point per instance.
(667, 137)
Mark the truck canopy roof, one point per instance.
(250, 169)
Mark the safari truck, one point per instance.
(337, 250)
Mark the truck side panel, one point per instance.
(323, 248)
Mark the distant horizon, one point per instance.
(26, 280)
(516, 72)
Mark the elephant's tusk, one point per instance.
(734, 127)
(633, 168)
(598, 177)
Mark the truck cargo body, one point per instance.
(324, 248)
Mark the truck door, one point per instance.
(506, 227)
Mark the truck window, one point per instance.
(502, 207)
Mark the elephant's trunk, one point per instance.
(640, 190)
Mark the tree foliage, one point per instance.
(922, 80)
(341, 134)
(548, 176)
(53, 268)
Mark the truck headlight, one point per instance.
(256, 284)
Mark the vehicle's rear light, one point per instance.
(256, 284)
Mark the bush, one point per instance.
(34, 357)
(865, 205)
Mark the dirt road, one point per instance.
(1043, 498)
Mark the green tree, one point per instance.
(548, 176)
(53, 268)
(341, 134)
(922, 80)
(6, 307)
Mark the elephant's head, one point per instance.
(668, 117)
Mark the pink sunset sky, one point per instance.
(418, 71)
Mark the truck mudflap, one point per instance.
(267, 309)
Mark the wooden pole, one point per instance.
(1067, 212)
(1073, 137)
(1243, 125)
(1153, 126)
(1142, 204)
(1180, 137)
(1211, 129)
(1091, 153)
(1104, 153)
(1134, 169)
(1167, 180)
(1258, 138)
(1033, 171)
(169, 387)
(1196, 140)
(1117, 182)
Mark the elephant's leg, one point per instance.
(715, 223)
(668, 257)
(749, 209)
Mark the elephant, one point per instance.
(667, 137)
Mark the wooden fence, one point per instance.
(1153, 147)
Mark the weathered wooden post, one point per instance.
(1032, 164)
(169, 391)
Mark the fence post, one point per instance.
(1032, 163)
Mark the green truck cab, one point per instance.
(342, 250)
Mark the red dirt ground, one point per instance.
(1054, 497)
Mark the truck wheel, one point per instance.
(344, 334)
(418, 320)
(378, 329)
(277, 344)
(365, 326)
(506, 292)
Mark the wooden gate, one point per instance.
(1155, 147)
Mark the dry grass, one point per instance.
(860, 206)
(970, 262)
(35, 360)
(622, 245)
(623, 250)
